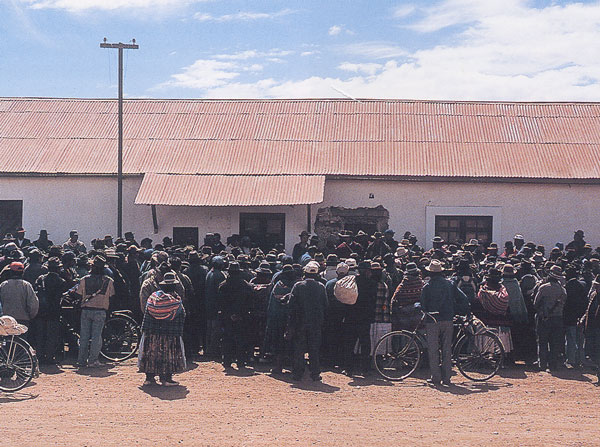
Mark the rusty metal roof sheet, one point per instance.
(225, 190)
(303, 137)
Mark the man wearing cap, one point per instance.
(74, 244)
(49, 289)
(17, 296)
(518, 242)
(381, 323)
(308, 303)
(95, 291)
(301, 247)
(549, 303)
(446, 300)
(130, 239)
(21, 240)
(407, 294)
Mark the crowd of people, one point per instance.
(238, 304)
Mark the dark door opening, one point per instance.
(185, 236)
(11, 216)
(265, 230)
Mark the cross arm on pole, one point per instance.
(126, 46)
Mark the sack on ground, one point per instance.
(345, 290)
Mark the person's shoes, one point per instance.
(348, 373)
(548, 370)
(169, 383)
(433, 382)
(276, 371)
(569, 366)
(446, 382)
(95, 364)
(80, 365)
(316, 378)
(149, 382)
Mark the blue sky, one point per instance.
(447, 49)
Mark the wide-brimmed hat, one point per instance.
(54, 263)
(412, 269)
(494, 274)
(405, 242)
(351, 263)
(401, 251)
(518, 237)
(361, 233)
(265, 268)
(435, 266)
(332, 259)
(16, 267)
(99, 261)
(312, 268)
(437, 239)
(378, 235)
(508, 270)
(234, 267)
(168, 279)
(389, 231)
(376, 266)
(556, 272)
(342, 268)
(364, 265)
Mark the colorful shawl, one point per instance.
(494, 301)
(162, 306)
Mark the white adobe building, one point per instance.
(272, 168)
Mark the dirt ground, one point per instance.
(107, 406)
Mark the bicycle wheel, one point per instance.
(397, 355)
(479, 357)
(120, 338)
(17, 365)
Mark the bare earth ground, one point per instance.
(107, 407)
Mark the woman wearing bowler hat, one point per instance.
(161, 350)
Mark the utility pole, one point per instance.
(120, 46)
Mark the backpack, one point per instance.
(345, 290)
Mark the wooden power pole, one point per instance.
(120, 46)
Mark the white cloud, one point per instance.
(107, 5)
(502, 50)
(204, 74)
(309, 53)
(367, 68)
(375, 50)
(242, 16)
(252, 54)
(335, 30)
(403, 11)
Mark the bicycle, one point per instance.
(18, 361)
(476, 351)
(121, 333)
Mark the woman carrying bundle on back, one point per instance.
(161, 350)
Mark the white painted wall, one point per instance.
(544, 213)
(89, 205)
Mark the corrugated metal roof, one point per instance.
(299, 137)
(224, 190)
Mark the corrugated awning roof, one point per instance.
(303, 137)
(224, 190)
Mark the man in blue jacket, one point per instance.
(442, 297)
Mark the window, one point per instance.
(185, 236)
(11, 216)
(265, 230)
(460, 229)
